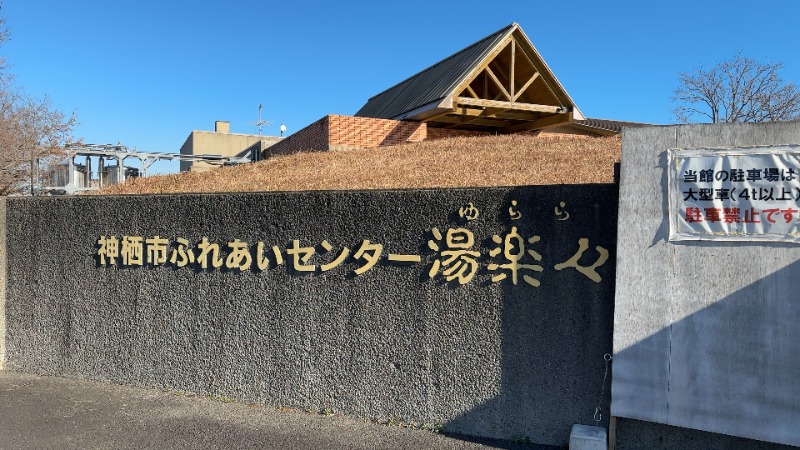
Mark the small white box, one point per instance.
(586, 437)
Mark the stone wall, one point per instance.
(3, 271)
(356, 315)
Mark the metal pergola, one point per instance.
(121, 153)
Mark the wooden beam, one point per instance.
(436, 117)
(494, 123)
(471, 92)
(476, 71)
(499, 84)
(492, 55)
(513, 62)
(541, 124)
(502, 74)
(472, 112)
(510, 106)
(498, 113)
(491, 112)
(548, 77)
(525, 54)
(486, 121)
(448, 119)
(526, 86)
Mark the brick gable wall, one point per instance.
(314, 137)
(335, 132)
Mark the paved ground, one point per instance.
(56, 413)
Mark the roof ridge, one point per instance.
(431, 67)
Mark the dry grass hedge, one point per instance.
(503, 160)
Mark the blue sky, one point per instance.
(146, 73)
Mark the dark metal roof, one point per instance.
(595, 127)
(608, 125)
(432, 84)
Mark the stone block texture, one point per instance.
(486, 358)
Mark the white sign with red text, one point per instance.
(738, 194)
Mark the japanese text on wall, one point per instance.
(450, 254)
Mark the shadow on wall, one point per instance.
(554, 336)
(402, 132)
(731, 367)
(313, 137)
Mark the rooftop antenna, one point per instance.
(260, 123)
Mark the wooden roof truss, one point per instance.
(511, 90)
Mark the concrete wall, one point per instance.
(706, 334)
(214, 143)
(487, 357)
(2, 282)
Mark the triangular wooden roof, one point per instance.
(499, 83)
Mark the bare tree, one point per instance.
(32, 133)
(736, 90)
(31, 130)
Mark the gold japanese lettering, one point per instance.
(109, 249)
(457, 262)
(403, 258)
(182, 254)
(369, 252)
(513, 249)
(132, 250)
(157, 250)
(209, 248)
(239, 256)
(589, 271)
(336, 261)
(300, 256)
